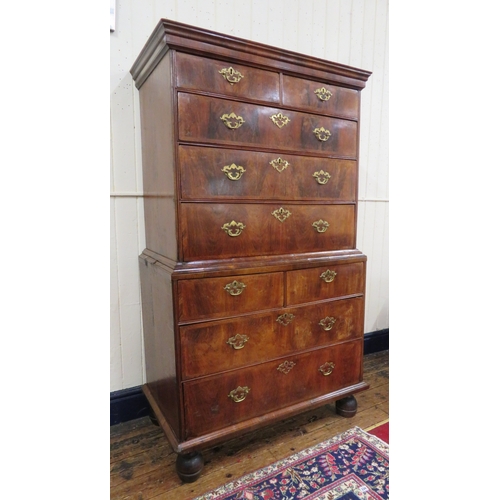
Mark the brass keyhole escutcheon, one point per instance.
(285, 367)
(231, 75)
(280, 120)
(285, 319)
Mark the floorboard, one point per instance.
(143, 463)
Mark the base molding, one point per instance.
(129, 404)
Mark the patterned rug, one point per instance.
(351, 466)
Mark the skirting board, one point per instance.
(129, 404)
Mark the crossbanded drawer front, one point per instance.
(212, 230)
(220, 121)
(210, 298)
(223, 345)
(320, 283)
(226, 399)
(210, 75)
(210, 173)
(320, 97)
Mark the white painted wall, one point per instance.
(353, 32)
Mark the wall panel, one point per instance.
(352, 32)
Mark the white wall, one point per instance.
(353, 32)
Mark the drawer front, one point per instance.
(202, 119)
(222, 400)
(207, 298)
(320, 283)
(208, 173)
(320, 97)
(219, 346)
(230, 79)
(212, 231)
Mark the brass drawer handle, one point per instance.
(231, 75)
(280, 120)
(328, 276)
(282, 214)
(233, 228)
(233, 172)
(279, 164)
(235, 288)
(322, 134)
(326, 369)
(232, 121)
(322, 177)
(238, 341)
(321, 225)
(323, 94)
(239, 394)
(285, 319)
(327, 323)
(285, 367)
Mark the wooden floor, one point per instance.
(143, 463)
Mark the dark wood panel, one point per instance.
(254, 176)
(204, 74)
(201, 122)
(159, 340)
(157, 136)
(261, 232)
(218, 346)
(300, 93)
(207, 298)
(306, 285)
(210, 407)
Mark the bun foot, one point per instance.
(346, 407)
(189, 466)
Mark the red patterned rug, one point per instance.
(351, 466)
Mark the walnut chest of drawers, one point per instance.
(252, 286)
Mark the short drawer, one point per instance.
(210, 75)
(211, 230)
(223, 400)
(218, 346)
(207, 298)
(320, 97)
(212, 173)
(320, 283)
(220, 121)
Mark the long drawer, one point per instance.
(211, 173)
(211, 230)
(221, 121)
(210, 298)
(218, 346)
(223, 400)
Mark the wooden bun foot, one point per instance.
(346, 407)
(189, 466)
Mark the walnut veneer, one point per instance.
(252, 286)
